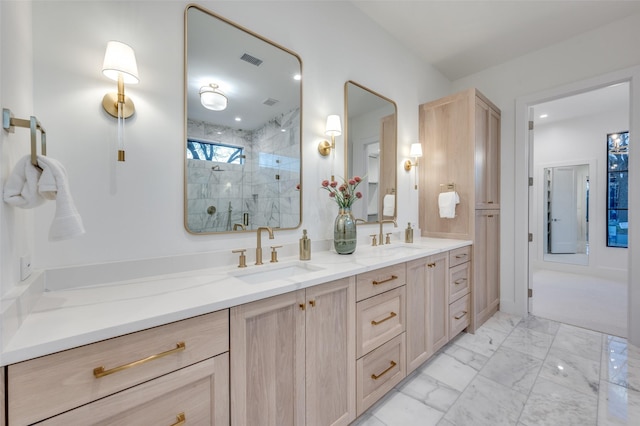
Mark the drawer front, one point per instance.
(46, 386)
(460, 255)
(459, 315)
(197, 395)
(375, 282)
(379, 371)
(379, 319)
(459, 281)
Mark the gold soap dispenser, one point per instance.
(305, 246)
(408, 234)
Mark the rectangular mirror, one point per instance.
(371, 150)
(243, 116)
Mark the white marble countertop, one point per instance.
(67, 318)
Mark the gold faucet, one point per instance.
(395, 225)
(259, 244)
(237, 226)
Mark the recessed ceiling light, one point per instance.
(544, 115)
(238, 119)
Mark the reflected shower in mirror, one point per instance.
(243, 120)
(370, 150)
(566, 214)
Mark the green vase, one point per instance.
(344, 232)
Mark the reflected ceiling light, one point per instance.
(212, 98)
(544, 115)
(297, 77)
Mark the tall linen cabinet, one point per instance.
(460, 136)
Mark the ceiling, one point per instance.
(460, 38)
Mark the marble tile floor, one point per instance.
(520, 372)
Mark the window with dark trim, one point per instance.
(214, 151)
(617, 189)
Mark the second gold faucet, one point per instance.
(259, 242)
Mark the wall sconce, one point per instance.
(333, 129)
(120, 65)
(416, 152)
(212, 98)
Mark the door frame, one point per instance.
(523, 171)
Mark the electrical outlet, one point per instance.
(25, 267)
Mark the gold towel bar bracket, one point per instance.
(447, 187)
(9, 123)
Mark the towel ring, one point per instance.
(9, 123)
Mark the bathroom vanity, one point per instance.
(315, 342)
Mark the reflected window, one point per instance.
(617, 189)
(214, 151)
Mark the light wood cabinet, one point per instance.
(461, 134)
(293, 358)
(198, 394)
(486, 254)
(2, 397)
(46, 386)
(427, 303)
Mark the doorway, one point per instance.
(571, 268)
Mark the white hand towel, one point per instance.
(389, 205)
(447, 203)
(21, 188)
(54, 185)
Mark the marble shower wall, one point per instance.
(263, 188)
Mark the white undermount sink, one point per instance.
(266, 273)
(400, 249)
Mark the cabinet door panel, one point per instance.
(330, 351)
(267, 362)
(486, 266)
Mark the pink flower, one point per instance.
(352, 182)
(332, 194)
(333, 184)
(342, 188)
(325, 183)
(358, 194)
(357, 179)
(347, 196)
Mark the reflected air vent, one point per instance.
(251, 59)
(270, 102)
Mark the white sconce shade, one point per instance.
(212, 98)
(120, 59)
(333, 127)
(416, 150)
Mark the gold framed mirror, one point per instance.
(243, 121)
(371, 150)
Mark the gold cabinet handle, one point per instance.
(431, 265)
(391, 315)
(391, 365)
(393, 277)
(460, 256)
(302, 305)
(312, 303)
(101, 372)
(459, 281)
(460, 315)
(180, 420)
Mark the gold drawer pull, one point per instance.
(393, 277)
(392, 364)
(101, 372)
(431, 265)
(180, 420)
(391, 315)
(460, 256)
(459, 281)
(460, 315)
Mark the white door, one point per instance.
(564, 221)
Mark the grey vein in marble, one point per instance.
(529, 342)
(449, 371)
(400, 409)
(540, 324)
(465, 356)
(572, 371)
(502, 322)
(486, 403)
(429, 391)
(586, 343)
(550, 404)
(513, 369)
(618, 405)
(485, 341)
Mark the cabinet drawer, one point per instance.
(459, 281)
(43, 387)
(375, 282)
(199, 393)
(379, 319)
(379, 371)
(460, 255)
(459, 315)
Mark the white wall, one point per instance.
(581, 140)
(134, 210)
(585, 57)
